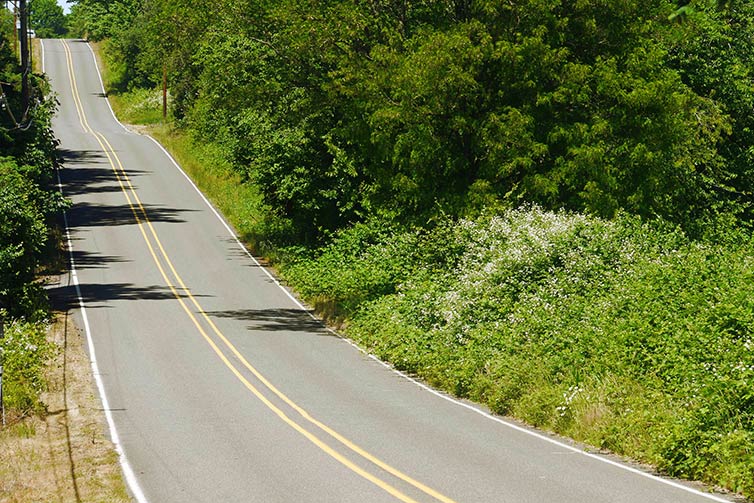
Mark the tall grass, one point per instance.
(140, 106)
(240, 202)
(25, 352)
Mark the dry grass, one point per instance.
(36, 55)
(66, 455)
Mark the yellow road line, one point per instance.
(127, 187)
(350, 445)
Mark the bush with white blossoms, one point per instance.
(519, 310)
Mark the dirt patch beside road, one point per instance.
(65, 455)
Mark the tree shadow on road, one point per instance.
(81, 175)
(100, 215)
(276, 320)
(87, 260)
(99, 294)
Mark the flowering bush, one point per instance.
(622, 334)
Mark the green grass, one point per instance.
(140, 107)
(239, 202)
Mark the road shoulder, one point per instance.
(65, 454)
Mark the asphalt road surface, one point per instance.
(220, 387)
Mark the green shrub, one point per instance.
(25, 352)
(24, 210)
(624, 334)
(362, 263)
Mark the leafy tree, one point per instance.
(47, 18)
(348, 108)
(101, 19)
(714, 56)
(28, 200)
(569, 104)
(23, 234)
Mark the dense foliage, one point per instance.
(408, 110)
(28, 200)
(626, 335)
(28, 205)
(47, 18)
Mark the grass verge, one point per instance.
(240, 203)
(62, 454)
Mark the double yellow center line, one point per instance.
(182, 292)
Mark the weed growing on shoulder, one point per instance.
(25, 351)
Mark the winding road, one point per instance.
(219, 386)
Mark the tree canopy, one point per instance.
(47, 18)
(28, 199)
(343, 109)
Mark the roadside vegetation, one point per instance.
(53, 444)
(622, 334)
(61, 453)
(29, 204)
(542, 206)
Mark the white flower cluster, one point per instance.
(744, 367)
(568, 398)
(17, 342)
(505, 254)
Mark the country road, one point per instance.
(220, 387)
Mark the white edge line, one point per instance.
(102, 86)
(549, 439)
(42, 50)
(229, 229)
(422, 385)
(128, 473)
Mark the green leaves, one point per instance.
(25, 209)
(342, 110)
(47, 18)
(25, 351)
(27, 199)
(624, 334)
(713, 54)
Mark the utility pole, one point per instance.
(15, 29)
(25, 69)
